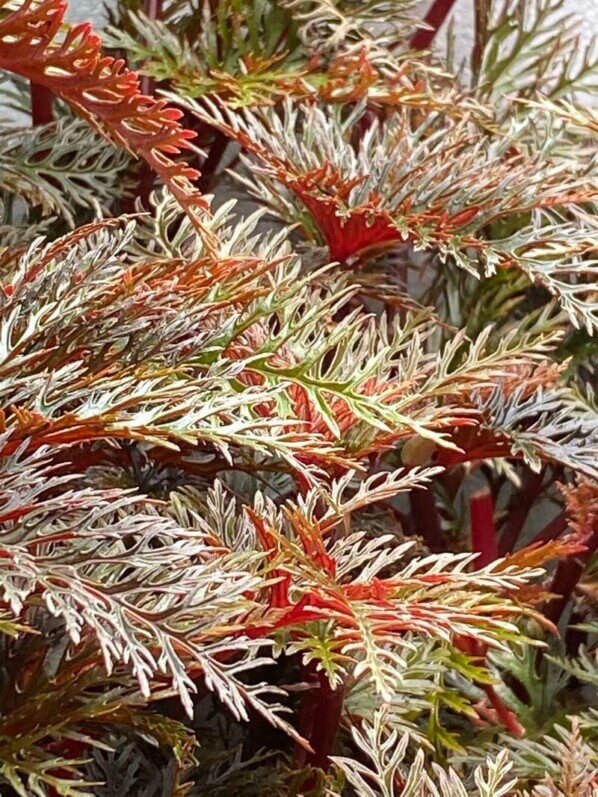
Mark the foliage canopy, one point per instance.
(298, 436)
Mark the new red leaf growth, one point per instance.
(100, 88)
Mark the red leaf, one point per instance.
(100, 88)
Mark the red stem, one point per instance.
(519, 510)
(211, 163)
(319, 719)
(506, 716)
(153, 9)
(567, 575)
(477, 649)
(483, 532)
(481, 10)
(554, 529)
(427, 520)
(437, 13)
(42, 100)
